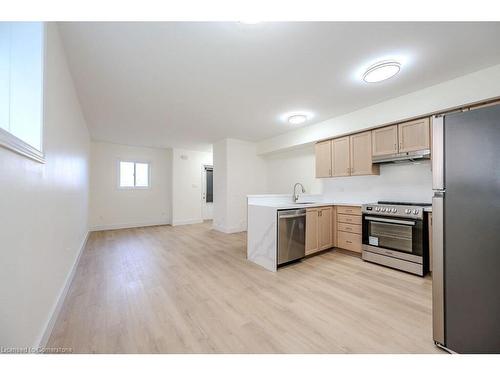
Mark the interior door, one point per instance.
(471, 231)
(207, 194)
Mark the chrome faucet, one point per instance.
(295, 195)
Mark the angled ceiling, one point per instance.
(190, 84)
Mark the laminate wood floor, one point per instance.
(190, 289)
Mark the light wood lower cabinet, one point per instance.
(352, 228)
(349, 241)
(348, 219)
(312, 219)
(325, 228)
(349, 228)
(318, 229)
(349, 210)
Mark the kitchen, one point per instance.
(283, 229)
(232, 187)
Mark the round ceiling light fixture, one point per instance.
(381, 71)
(297, 119)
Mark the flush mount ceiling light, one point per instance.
(381, 71)
(297, 119)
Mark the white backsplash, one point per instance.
(396, 182)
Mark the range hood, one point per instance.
(402, 157)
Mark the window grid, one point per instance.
(134, 175)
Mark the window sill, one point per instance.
(133, 187)
(13, 143)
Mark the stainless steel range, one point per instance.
(395, 235)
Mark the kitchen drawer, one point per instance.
(349, 210)
(349, 241)
(352, 228)
(349, 219)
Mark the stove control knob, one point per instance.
(407, 211)
(415, 211)
(383, 209)
(394, 210)
(377, 209)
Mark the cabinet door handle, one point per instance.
(395, 146)
(348, 241)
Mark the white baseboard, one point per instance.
(185, 222)
(229, 230)
(96, 228)
(42, 342)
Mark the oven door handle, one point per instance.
(392, 221)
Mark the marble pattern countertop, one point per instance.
(290, 205)
(262, 223)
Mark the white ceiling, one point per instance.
(190, 84)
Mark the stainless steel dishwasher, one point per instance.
(291, 235)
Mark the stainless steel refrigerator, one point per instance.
(466, 230)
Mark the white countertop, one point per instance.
(280, 202)
(290, 206)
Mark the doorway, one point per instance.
(207, 195)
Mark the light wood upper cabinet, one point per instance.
(361, 154)
(325, 228)
(323, 152)
(312, 218)
(340, 157)
(414, 135)
(385, 140)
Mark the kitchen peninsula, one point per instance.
(324, 224)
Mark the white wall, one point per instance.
(284, 169)
(396, 182)
(220, 214)
(474, 87)
(187, 167)
(238, 172)
(111, 207)
(43, 209)
(405, 182)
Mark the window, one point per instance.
(134, 175)
(21, 87)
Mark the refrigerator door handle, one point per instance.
(438, 268)
(438, 153)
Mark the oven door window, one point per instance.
(391, 236)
